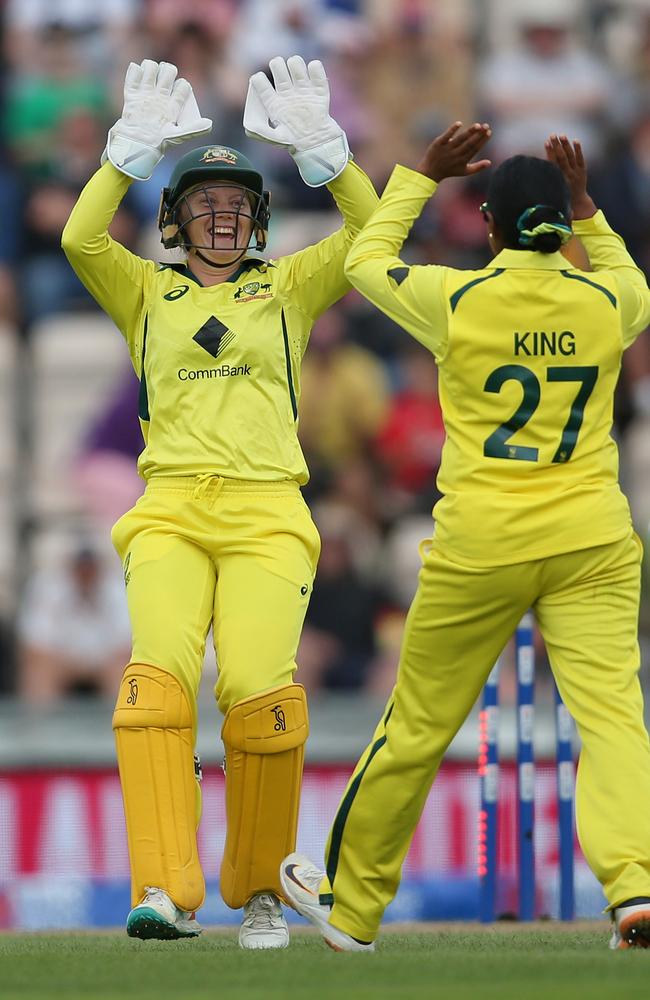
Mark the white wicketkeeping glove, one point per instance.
(159, 111)
(296, 115)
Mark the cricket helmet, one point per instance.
(209, 166)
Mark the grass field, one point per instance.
(546, 961)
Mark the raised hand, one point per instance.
(294, 113)
(568, 156)
(159, 111)
(449, 155)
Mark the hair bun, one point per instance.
(543, 227)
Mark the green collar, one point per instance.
(246, 265)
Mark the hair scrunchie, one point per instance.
(527, 236)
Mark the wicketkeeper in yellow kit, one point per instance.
(529, 351)
(222, 536)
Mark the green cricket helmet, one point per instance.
(210, 167)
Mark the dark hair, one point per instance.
(535, 189)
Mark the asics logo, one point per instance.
(176, 293)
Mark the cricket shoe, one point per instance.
(263, 925)
(632, 924)
(159, 918)
(301, 882)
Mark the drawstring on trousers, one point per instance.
(202, 486)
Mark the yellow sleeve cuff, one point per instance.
(594, 226)
(404, 177)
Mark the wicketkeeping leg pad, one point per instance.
(154, 736)
(264, 737)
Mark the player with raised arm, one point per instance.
(532, 516)
(222, 536)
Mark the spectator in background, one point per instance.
(48, 283)
(550, 82)
(345, 395)
(106, 470)
(404, 547)
(41, 98)
(373, 331)
(163, 18)
(415, 64)
(624, 33)
(459, 240)
(622, 187)
(409, 443)
(261, 30)
(357, 485)
(6, 655)
(55, 131)
(73, 630)
(101, 30)
(11, 237)
(200, 59)
(338, 640)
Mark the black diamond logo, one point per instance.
(214, 336)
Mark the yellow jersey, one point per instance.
(219, 366)
(529, 351)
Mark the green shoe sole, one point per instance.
(147, 924)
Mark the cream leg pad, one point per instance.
(264, 737)
(154, 737)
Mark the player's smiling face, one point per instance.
(220, 220)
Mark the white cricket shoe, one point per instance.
(301, 881)
(631, 925)
(263, 925)
(158, 917)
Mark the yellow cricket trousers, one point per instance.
(238, 555)
(586, 604)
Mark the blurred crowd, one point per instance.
(370, 423)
